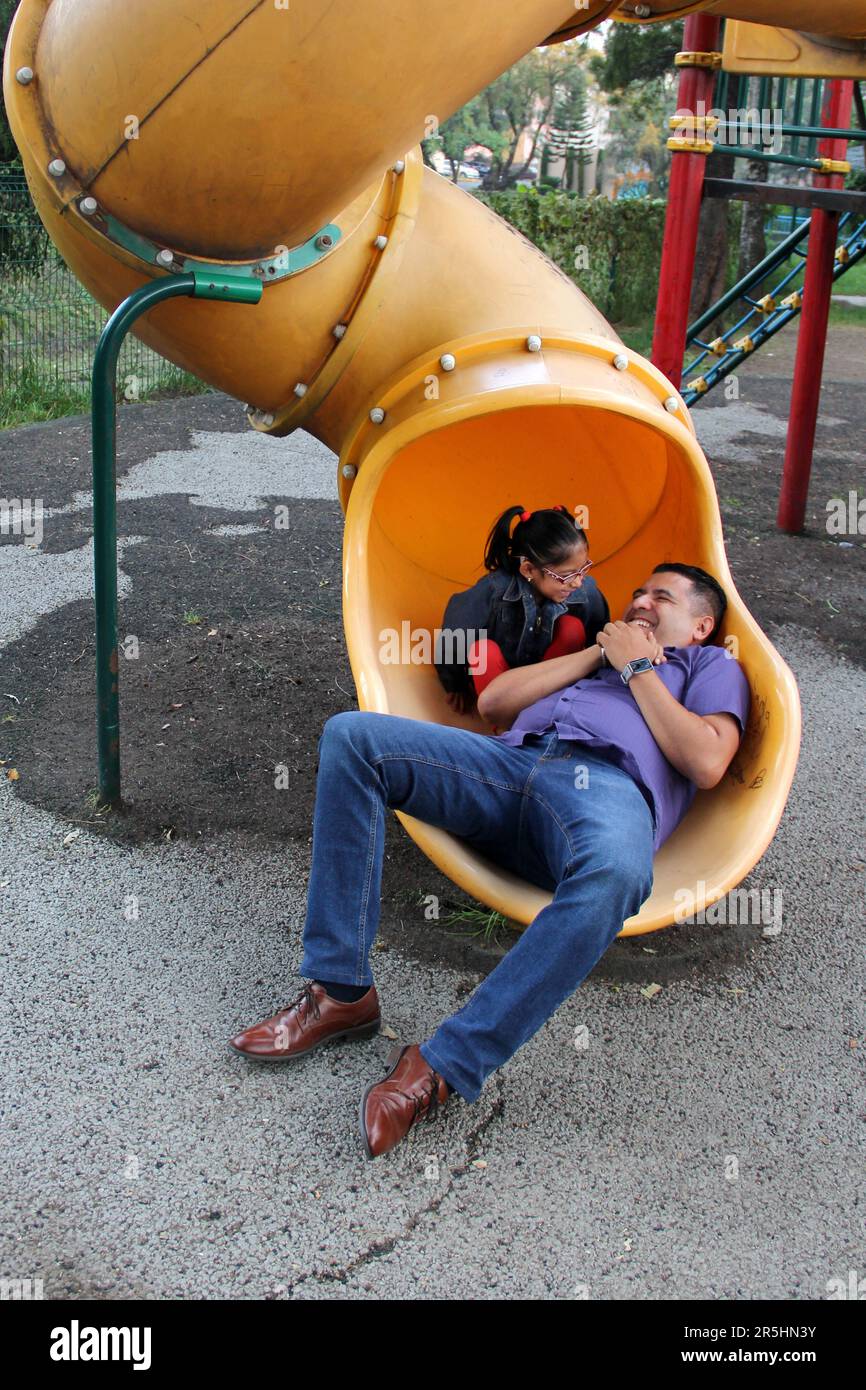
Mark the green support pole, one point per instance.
(815, 112)
(818, 132)
(765, 86)
(796, 120)
(211, 285)
(797, 114)
(752, 152)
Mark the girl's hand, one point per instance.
(623, 642)
(656, 653)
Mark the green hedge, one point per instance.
(619, 270)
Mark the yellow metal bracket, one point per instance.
(683, 146)
(698, 60)
(699, 125)
(835, 166)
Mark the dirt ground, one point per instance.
(245, 655)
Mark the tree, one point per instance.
(712, 254)
(465, 128)
(571, 132)
(638, 130)
(637, 71)
(518, 106)
(518, 102)
(633, 54)
(753, 241)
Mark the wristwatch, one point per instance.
(634, 668)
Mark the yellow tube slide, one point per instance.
(452, 366)
(794, 38)
(837, 19)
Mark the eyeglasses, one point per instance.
(573, 575)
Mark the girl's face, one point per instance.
(557, 589)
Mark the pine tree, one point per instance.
(571, 130)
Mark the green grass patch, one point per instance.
(637, 336)
(477, 921)
(847, 316)
(470, 919)
(35, 393)
(854, 280)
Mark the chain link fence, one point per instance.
(49, 324)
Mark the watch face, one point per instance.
(634, 668)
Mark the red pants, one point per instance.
(569, 635)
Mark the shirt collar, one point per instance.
(514, 589)
(517, 590)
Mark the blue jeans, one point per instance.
(553, 811)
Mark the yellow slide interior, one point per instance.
(415, 535)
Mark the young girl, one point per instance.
(534, 603)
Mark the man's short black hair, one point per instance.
(707, 590)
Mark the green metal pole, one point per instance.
(202, 285)
(797, 114)
(752, 152)
(818, 132)
(815, 112)
(764, 89)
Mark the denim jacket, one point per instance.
(502, 607)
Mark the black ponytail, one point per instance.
(545, 538)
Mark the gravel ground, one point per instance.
(705, 1143)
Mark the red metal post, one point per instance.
(817, 288)
(701, 35)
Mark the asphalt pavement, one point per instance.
(704, 1142)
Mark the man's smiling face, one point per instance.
(668, 607)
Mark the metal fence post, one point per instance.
(202, 285)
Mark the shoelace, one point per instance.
(431, 1096)
(312, 1003)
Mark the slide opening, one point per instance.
(649, 496)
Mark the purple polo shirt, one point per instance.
(601, 712)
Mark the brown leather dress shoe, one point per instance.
(309, 1021)
(411, 1090)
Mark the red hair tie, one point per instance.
(558, 507)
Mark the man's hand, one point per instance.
(624, 642)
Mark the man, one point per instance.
(600, 763)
